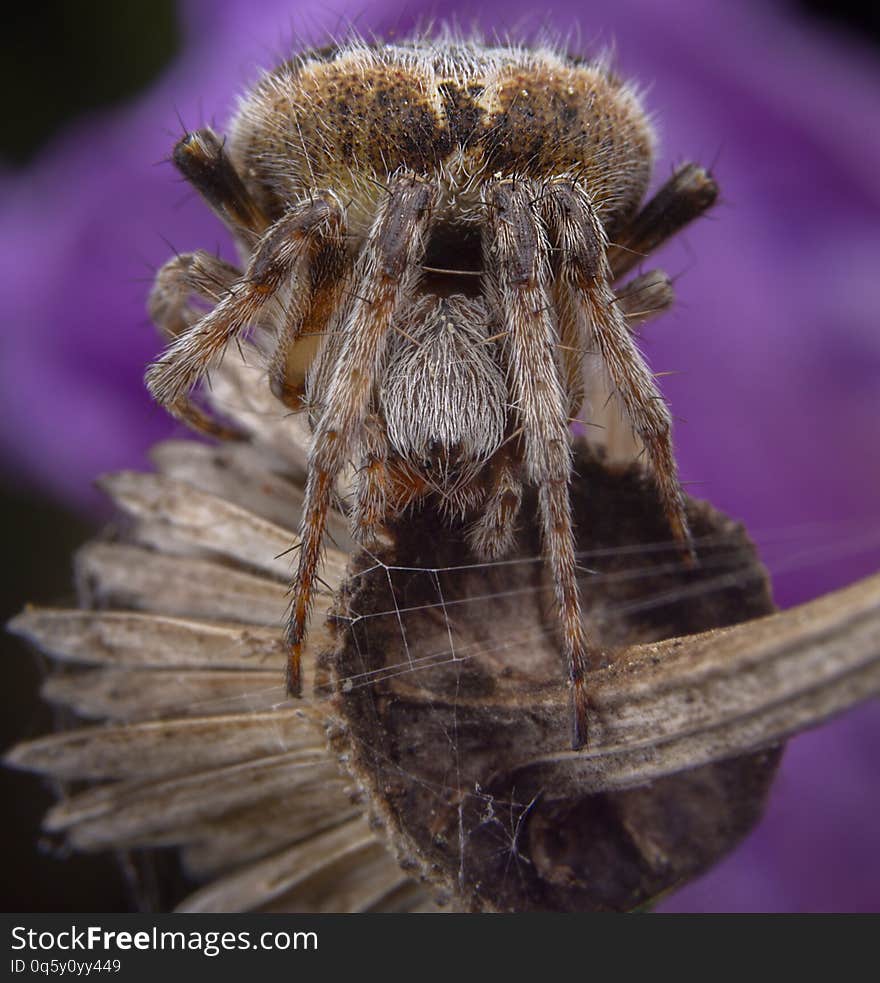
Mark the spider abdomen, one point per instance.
(355, 115)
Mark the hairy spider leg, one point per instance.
(170, 306)
(385, 273)
(584, 274)
(491, 536)
(373, 484)
(570, 351)
(383, 487)
(688, 194)
(301, 334)
(684, 197)
(517, 249)
(276, 281)
(296, 247)
(202, 160)
(639, 300)
(643, 298)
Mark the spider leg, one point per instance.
(517, 253)
(280, 265)
(584, 273)
(201, 158)
(384, 487)
(301, 333)
(492, 535)
(686, 195)
(570, 349)
(644, 297)
(641, 299)
(373, 484)
(207, 277)
(385, 272)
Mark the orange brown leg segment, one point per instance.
(278, 270)
(384, 274)
(689, 192)
(517, 249)
(585, 274)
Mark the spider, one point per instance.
(431, 231)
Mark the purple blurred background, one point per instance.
(775, 335)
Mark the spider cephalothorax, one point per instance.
(431, 233)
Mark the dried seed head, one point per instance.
(453, 719)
